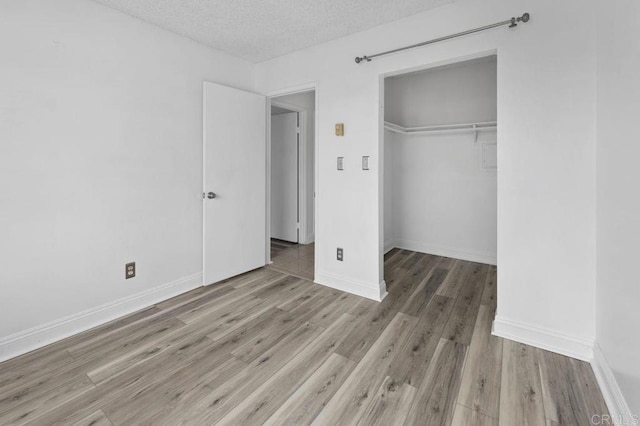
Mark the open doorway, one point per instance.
(292, 180)
(440, 168)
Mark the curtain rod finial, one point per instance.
(524, 18)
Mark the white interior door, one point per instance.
(234, 182)
(284, 177)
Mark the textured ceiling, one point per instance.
(257, 30)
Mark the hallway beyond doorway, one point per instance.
(293, 259)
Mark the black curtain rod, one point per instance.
(513, 22)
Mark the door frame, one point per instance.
(302, 191)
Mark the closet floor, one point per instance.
(269, 347)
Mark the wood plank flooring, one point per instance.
(273, 348)
(293, 259)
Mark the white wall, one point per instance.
(100, 164)
(453, 94)
(546, 155)
(390, 138)
(618, 204)
(307, 101)
(440, 199)
(442, 202)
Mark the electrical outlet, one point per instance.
(129, 270)
(340, 254)
(340, 163)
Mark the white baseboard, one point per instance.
(618, 407)
(388, 246)
(542, 338)
(45, 334)
(310, 238)
(375, 292)
(421, 247)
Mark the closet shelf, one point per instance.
(445, 128)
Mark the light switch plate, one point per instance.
(488, 156)
(340, 163)
(339, 129)
(365, 162)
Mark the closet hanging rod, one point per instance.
(513, 22)
(445, 128)
(479, 124)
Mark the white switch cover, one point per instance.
(489, 157)
(365, 162)
(340, 163)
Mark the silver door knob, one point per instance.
(211, 195)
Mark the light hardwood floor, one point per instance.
(271, 348)
(292, 259)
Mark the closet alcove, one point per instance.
(440, 165)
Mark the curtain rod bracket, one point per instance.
(513, 22)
